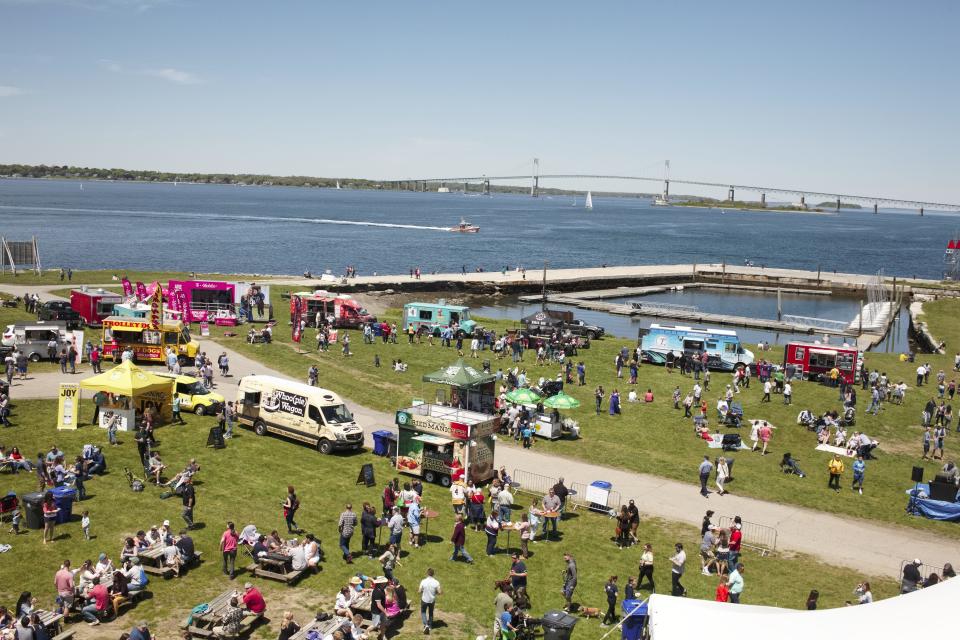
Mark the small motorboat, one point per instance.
(465, 227)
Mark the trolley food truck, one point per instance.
(339, 310)
(814, 360)
(94, 306)
(433, 317)
(444, 444)
(723, 347)
(149, 345)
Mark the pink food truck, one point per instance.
(202, 300)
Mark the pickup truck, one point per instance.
(60, 310)
(543, 323)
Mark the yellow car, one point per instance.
(194, 396)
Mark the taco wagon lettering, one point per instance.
(287, 402)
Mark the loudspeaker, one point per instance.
(917, 475)
(944, 491)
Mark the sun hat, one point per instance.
(248, 586)
(380, 580)
(356, 580)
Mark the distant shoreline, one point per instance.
(817, 211)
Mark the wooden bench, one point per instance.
(268, 571)
(66, 635)
(248, 625)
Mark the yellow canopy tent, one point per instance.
(142, 387)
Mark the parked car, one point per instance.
(60, 310)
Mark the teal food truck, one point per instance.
(435, 317)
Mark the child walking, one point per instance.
(85, 524)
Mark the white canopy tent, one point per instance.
(683, 618)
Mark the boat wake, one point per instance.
(226, 216)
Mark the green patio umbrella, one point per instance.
(460, 374)
(561, 401)
(523, 396)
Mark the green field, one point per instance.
(655, 438)
(246, 483)
(941, 318)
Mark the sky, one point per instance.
(853, 97)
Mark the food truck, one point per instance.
(813, 360)
(94, 306)
(149, 345)
(723, 347)
(339, 310)
(434, 317)
(444, 444)
(200, 300)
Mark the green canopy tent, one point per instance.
(471, 388)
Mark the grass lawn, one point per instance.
(941, 318)
(656, 438)
(246, 483)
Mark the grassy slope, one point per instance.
(245, 483)
(941, 318)
(655, 438)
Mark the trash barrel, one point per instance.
(558, 625)
(634, 617)
(63, 497)
(33, 506)
(381, 442)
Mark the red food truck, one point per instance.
(814, 360)
(94, 305)
(339, 309)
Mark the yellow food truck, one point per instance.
(149, 345)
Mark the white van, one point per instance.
(32, 337)
(298, 411)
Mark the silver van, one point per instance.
(32, 338)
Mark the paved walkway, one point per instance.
(873, 548)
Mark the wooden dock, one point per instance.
(622, 292)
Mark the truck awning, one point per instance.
(432, 439)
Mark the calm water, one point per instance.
(278, 230)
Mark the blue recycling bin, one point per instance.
(606, 486)
(634, 619)
(63, 497)
(384, 442)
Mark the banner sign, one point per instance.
(297, 318)
(127, 287)
(204, 329)
(141, 291)
(68, 407)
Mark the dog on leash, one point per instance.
(589, 612)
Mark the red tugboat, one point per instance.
(465, 227)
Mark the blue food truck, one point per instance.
(723, 347)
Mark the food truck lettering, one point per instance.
(427, 424)
(286, 402)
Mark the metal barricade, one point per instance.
(532, 483)
(755, 536)
(925, 571)
(537, 485)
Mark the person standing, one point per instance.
(369, 522)
(429, 590)
(735, 581)
(569, 581)
(736, 540)
(176, 409)
(459, 540)
(859, 468)
(704, 470)
(346, 526)
(290, 506)
(228, 547)
(765, 433)
(678, 561)
(492, 528)
(835, 468)
(50, 512)
(610, 589)
(722, 474)
(189, 497)
(787, 393)
(646, 567)
(598, 398)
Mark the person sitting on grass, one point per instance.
(789, 465)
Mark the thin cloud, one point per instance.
(7, 91)
(175, 76)
(93, 5)
(111, 66)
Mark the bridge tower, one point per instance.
(874, 207)
(535, 187)
(803, 202)
(730, 194)
(486, 187)
(838, 205)
(763, 199)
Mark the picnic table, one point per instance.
(323, 627)
(152, 560)
(51, 620)
(275, 567)
(510, 527)
(363, 603)
(202, 624)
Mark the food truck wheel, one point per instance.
(259, 427)
(324, 446)
(34, 357)
(445, 482)
(591, 335)
(199, 410)
(184, 361)
(430, 476)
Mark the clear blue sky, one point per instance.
(852, 96)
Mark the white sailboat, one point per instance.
(338, 184)
(589, 203)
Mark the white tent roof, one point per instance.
(683, 618)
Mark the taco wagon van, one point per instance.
(297, 411)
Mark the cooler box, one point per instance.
(634, 618)
(598, 495)
(558, 625)
(63, 497)
(384, 443)
(33, 508)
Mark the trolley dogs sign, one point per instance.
(286, 402)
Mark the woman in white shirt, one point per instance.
(863, 593)
(342, 605)
(722, 474)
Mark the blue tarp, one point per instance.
(934, 509)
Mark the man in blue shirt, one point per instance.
(140, 632)
(705, 468)
(413, 519)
